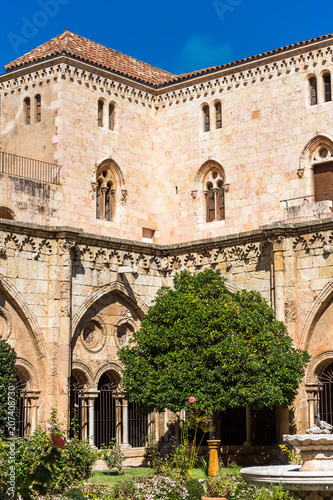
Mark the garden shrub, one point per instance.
(195, 489)
(113, 456)
(160, 488)
(74, 494)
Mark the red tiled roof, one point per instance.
(81, 48)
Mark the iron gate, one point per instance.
(326, 395)
(137, 426)
(76, 408)
(105, 412)
(22, 422)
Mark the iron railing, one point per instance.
(305, 198)
(27, 168)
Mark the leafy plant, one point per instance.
(113, 456)
(8, 393)
(290, 454)
(219, 486)
(227, 350)
(160, 488)
(74, 494)
(195, 489)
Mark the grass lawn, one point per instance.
(107, 477)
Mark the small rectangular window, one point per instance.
(27, 117)
(327, 87)
(148, 235)
(38, 108)
(313, 90)
(100, 113)
(111, 117)
(218, 111)
(205, 110)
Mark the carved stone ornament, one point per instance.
(92, 336)
(194, 193)
(300, 172)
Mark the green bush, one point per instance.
(74, 494)
(74, 463)
(113, 456)
(195, 489)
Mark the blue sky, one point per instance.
(177, 36)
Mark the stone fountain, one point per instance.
(311, 481)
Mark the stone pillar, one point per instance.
(103, 192)
(125, 442)
(279, 288)
(216, 202)
(312, 398)
(166, 425)
(118, 419)
(282, 422)
(32, 396)
(90, 397)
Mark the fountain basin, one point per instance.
(290, 476)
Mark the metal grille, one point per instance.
(138, 426)
(22, 423)
(27, 168)
(76, 402)
(105, 412)
(326, 395)
(263, 425)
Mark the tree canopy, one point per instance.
(199, 340)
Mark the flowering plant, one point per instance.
(196, 420)
(160, 488)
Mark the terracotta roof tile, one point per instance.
(81, 48)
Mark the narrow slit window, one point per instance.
(327, 87)
(210, 203)
(100, 113)
(27, 111)
(205, 110)
(218, 113)
(313, 91)
(38, 108)
(111, 116)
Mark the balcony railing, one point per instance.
(27, 168)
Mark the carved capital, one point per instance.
(194, 193)
(300, 172)
(226, 188)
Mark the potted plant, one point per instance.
(218, 488)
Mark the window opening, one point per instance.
(313, 90)
(111, 116)
(38, 108)
(327, 87)
(218, 112)
(104, 195)
(205, 110)
(27, 110)
(100, 113)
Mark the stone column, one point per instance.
(282, 422)
(32, 396)
(312, 398)
(125, 441)
(278, 269)
(90, 397)
(118, 419)
(103, 192)
(248, 418)
(216, 202)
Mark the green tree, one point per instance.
(7, 383)
(226, 350)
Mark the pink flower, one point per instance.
(191, 399)
(75, 405)
(48, 426)
(57, 441)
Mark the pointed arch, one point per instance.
(138, 305)
(305, 162)
(108, 366)
(204, 169)
(315, 312)
(24, 311)
(109, 162)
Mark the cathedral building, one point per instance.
(115, 175)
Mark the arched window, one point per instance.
(218, 115)
(327, 87)
(322, 161)
(313, 90)
(100, 113)
(104, 194)
(27, 111)
(38, 108)
(205, 111)
(214, 193)
(111, 116)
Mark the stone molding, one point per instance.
(241, 73)
(85, 370)
(23, 309)
(108, 366)
(33, 381)
(310, 375)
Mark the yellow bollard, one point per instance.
(213, 460)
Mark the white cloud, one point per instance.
(202, 51)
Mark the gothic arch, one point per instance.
(23, 310)
(315, 312)
(118, 175)
(140, 307)
(316, 365)
(203, 171)
(305, 162)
